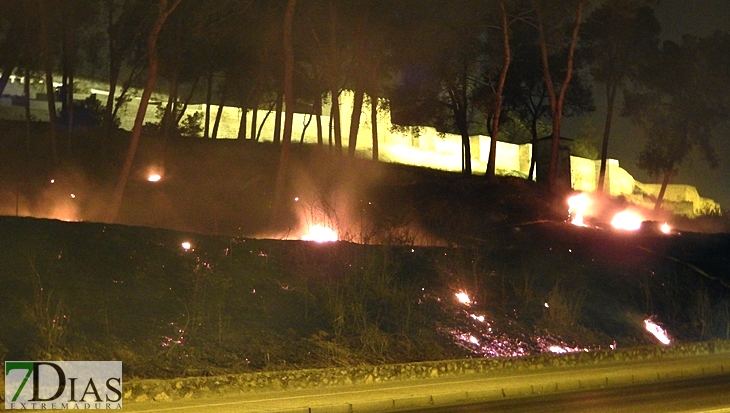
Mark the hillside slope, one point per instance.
(431, 265)
(86, 291)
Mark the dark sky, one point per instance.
(677, 17)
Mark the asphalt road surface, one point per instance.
(706, 394)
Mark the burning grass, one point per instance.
(175, 304)
(172, 304)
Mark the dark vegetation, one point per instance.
(234, 303)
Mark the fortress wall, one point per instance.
(621, 182)
(583, 174)
(422, 146)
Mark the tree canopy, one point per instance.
(684, 97)
(464, 66)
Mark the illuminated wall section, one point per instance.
(422, 146)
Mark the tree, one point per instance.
(526, 94)
(497, 98)
(684, 96)
(556, 16)
(165, 8)
(45, 11)
(615, 41)
(441, 69)
(13, 39)
(372, 33)
(289, 101)
(125, 23)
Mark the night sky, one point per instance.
(677, 17)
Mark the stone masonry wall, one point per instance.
(161, 390)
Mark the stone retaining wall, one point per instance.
(162, 390)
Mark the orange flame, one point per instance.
(577, 206)
(320, 233)
(463, 297)
(627, 220)
(656, 331)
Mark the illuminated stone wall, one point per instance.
(422, 146)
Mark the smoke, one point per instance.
(341, 193)
(66, 195)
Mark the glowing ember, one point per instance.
(186, 245)
(666, 228)
(479, 318)
(320, 233)
(463, 297)
(657, 331)
(577, 206)
(154, 178)
(627, 220)
(565, 349)
(557, 350)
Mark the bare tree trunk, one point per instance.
(355, 121)
(263, 122)
(556, 101)
(611, 98)
(182, 111)
(374, 124)
(218, 116)
(533, 150)
(164, 12)
(463, 127)
(242, 127)
(289, 116)
(460, 111)
(169, 118)
(70, 95)
(373, 92)
(115, 66)
(134, 75)
(318, 114)
(507, 59)
(334, 87)
(336, 120)
(277, 118)
(26, 106)
(665, 182)
(208, 101)
(7, 71)
(466, 153)
(169, 121)
(329, 129)
(48, 64)
(304, 129)
(114, 70)
(70, 63)
(254, 116)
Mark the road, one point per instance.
(622, 384)
(706, 394)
